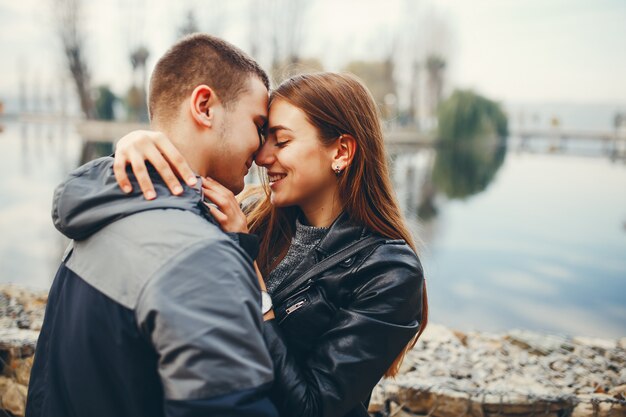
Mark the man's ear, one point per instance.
(343, 151)
(202, 104)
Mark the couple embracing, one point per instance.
(177, 299)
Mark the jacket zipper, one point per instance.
(299, 304)
(296, 306)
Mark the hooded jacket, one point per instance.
(153, 312)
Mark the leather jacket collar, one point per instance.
(341, 233)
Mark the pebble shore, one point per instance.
(448, 373)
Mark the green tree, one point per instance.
(466, 115)
(105, 100)
(472, 149)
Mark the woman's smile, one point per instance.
(275, 177)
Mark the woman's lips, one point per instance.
(275, 177)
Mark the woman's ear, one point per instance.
(202, 103)
(344, 150)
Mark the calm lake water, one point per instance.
(511, 237)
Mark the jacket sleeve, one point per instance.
(362, 342)
(202, 315)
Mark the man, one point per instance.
(155, 311)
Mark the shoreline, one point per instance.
(518, 373)
(448, 373)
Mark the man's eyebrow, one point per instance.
(276, 128)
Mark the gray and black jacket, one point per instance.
(154, 312)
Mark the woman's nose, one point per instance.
(265, 155)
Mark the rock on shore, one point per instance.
(21, 316)
(520, 373)
(447, 374)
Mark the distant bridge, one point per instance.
(613, 142)
(557, 133)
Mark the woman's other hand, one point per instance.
(226, 211)
(140, 146)
(225, 208)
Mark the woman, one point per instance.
(335, 254)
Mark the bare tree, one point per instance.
(435, 66)
(68, 14)
(255, 15)
(212, 20)
(410, 50)
(217, 17)
(286, 20)
(136, 99)
(22, 87)
(190, 26)
(378, 76)
(414, 90)
(138, 59)
(437, 39)
(424, 51)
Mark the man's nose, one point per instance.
(264, 155)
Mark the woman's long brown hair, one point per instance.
(339, 104)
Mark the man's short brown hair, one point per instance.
(200, 59)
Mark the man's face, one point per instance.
(239, 136)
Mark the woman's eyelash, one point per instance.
(283, 143)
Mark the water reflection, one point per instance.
(462, 171)
(456, 172)
(526, 250)
(37, 157)
(412, 178)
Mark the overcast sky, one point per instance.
(510, 50)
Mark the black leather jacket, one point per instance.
(342, 317)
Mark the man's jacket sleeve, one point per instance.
(202, 316)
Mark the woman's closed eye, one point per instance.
(281, 144)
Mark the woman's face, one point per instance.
(298, 164)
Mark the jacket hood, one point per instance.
(89, 199)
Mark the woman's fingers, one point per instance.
(211, 183)
(176, 160)
(220, 217)
(220, 200)
(225, 196)
(143, 145)
(164, 169)
(124, 149)
(119, 170)
(138, 164)
(225, 202)
(141, 174)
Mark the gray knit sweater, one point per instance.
(304, 240)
